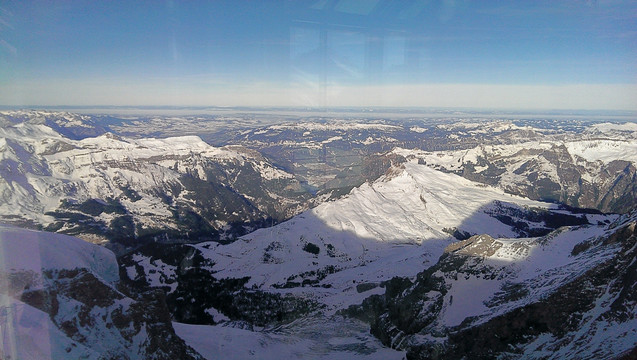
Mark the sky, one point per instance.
(327, 53)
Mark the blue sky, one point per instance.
(508, 54)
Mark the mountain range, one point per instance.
(130, 191)
(425, 240)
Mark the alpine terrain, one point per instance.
(324, 236)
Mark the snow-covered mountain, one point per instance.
(388, 228)
(128, 190)
(598, 173)
(60, 299)
(384, 242)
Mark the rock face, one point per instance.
(61, 298)
(569, 294)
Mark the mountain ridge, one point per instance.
(97, 186)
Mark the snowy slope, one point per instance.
(95, 167)
(337, 339)
(606, 150)
(59, 299)
(33, 251)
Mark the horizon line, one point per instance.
(314, 108)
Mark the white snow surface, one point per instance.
(604, 150)
(29, 250)
(333, 339)
(614, 129)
